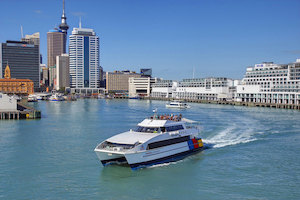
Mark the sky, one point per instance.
(212, 38)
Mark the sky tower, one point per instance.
(64, 26)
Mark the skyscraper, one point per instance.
(84, 59)
(62, 72)
(55, 47)
(23, 59)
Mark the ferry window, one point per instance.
(174, 128)
(146, 129)
(168, 142)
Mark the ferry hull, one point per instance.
(107, 158)
(157, 156)
(167, 159)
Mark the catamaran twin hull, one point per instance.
(144, 158)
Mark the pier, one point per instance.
(22, 112)
(234, 103)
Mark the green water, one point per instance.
(255, 154)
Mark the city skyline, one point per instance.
(217, 38)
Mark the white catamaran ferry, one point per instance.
(177, 104)
(158, 139)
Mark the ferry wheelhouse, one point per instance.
(156, 140)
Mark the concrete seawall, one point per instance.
(250, 104)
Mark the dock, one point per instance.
(22, 112)
(234, 103)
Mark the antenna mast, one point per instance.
(22, 32)
(193, 72)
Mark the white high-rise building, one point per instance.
(84, 60)
(271, 83)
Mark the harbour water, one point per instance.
(254, 154)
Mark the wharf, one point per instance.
(22, 112)
(235, 103)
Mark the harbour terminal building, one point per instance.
(163, 89)
(212, 89)
(140, 87)
(271, 83)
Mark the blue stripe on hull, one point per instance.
(113, 161)
(171, 158)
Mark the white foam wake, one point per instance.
(231, 136)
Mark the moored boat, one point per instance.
(32, 98)
(56, 97)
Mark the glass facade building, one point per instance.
(23, 59)
(84, 59)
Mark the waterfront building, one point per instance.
(117, 81)
(7, 104)
(23, 59)
(62, 72)
(163, 88)
(212, 89)
(140, 87)
(271, 83)
(11, 85)
(84, 60)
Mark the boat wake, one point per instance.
(231, 136)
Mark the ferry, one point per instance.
(156, 140)
(177, 104)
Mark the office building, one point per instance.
(117, 81)
(23, 59)
(32, 39)
(62, 72)
(271, 83)
(44, 75)
(140, 87)
(84, 60)
(55, 47)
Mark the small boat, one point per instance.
(32, 98)
(158, 139)
(39, 97)
(177, 104)
(136, 97)
(56, 97)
